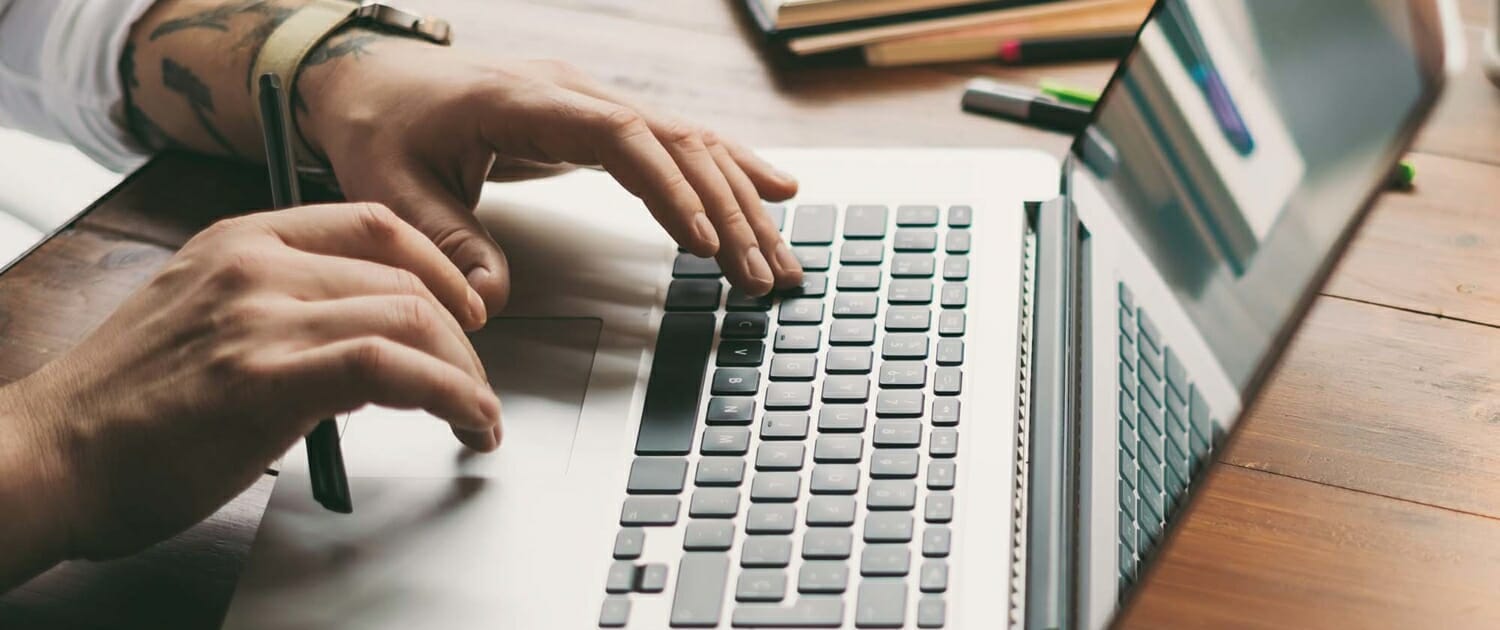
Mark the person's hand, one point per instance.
(421, 128)
(257, 329)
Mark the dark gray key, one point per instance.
(734, 353)
(766, 551)
(850, 360)
(904, 346)
(858, 279)
(693, 295)
(883, 527)
(813, 258)
(813, 225)
(908, 319)
(656, 475)
(913, 265)
(917, 216)
(890, 494)
(779, 456)
(642, 511)
(910, 291)
(784, 425)
(629, 542)
(890, 463)
(814, 285)
(823, 576)
(958, 242)
(725, 441)
(801, 311)
(852, 332)
(956, 268)
(862, 253)
(931, 612)
(731, 410)
(899, 374)
(775, 487)
(798, 339)
(792, 367)
(954, 295)
(945, 412)
(736, 381)
(933, 576)
(690, 266)
(708, 535)
(865, 221)
(651, 578)
(720, 471)
(838, 449)
(835, 479)
(944, 443)
(699, 594)
(777, 213)
(941, 474)
(952, 323)
(615, 612)
(670, 412)
(745, 325)
(950, 351)
(738, 300)
(937, 541)
(846, 388)
(915, 240)
(806, 612)
(621, 577)
(960, 216)
(899, 403)
(947, 381)
(884, 559)
(761, 585)
(830, 511)
(714, 503)
(770, 518)
(855, 305)
(789, 396)
(827, 543)
(939, 507)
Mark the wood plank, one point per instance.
(1467, 122)
(1434, 250)
(1263, 551)
(1386, 402)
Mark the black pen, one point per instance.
(1070, 48)
(992, 98)
(325, 460)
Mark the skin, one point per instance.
(263, 325)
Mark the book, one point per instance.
(1018, 11)
(981, 42)
(786, 17)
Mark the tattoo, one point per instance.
(355, 44)
(255, 40)
(216, 18)
(178, 78)
(146, 131)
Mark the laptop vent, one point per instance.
(1023, 423)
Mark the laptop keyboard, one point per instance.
(816, 468)
(1165, 435)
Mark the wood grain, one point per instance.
(1467, 123)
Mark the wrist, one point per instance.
(328, 103)
(35, 483)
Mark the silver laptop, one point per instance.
(987, 405)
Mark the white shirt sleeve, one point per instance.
(59, 74)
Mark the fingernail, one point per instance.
(489, 404)
(706, 232)
(787, 259)
(476, 307)
(783, 175)
(496, 432)
(756, 266)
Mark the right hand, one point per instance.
(257, 329)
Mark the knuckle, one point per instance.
(406, 283)
(413, 315)
(367, 359)
(622, 121)
(681, 133)
(240, 268)
(378, 222)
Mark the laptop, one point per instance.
(988, 405)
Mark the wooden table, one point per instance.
(1365, 490)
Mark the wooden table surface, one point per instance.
(1364, 491)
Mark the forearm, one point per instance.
(33, 532)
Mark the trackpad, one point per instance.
(540, 368)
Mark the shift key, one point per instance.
(699, 596)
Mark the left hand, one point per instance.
(420, 128)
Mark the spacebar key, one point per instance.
(670, 411)
(700, 589)
(808, 612)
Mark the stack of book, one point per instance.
(905, 32)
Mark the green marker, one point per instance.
(1402, 177)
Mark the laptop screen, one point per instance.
(1239, 140)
